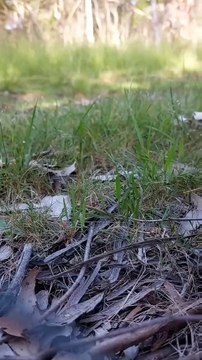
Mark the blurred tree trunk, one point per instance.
(89, 21)
(155, 22)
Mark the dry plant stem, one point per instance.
(64, 298)
(196, 356)
(121, 342)
(138, 328)
(8, 298)
(97, 228)
(55, 255)
(158, 354)
(121, 338)
(16, 283)
(132, 337)
(137, 245)
(167, 219)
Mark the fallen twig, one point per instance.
(116, 340)
(158, 354)
(137, 245)
(168, 219)
(64, 298)
(100, 225)
(8, 298)
(196, 356)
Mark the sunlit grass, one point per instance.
(90, 70)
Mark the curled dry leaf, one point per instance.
(5, 252)
(190, 225)
(42, 299)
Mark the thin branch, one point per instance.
(105, 213)
(168, 219)
(16, 283)
(64, 298)
(137, 245)
(8, 298)
(98, 226)
(119, 338)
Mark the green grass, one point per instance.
(134, 131)
(130, 132)
(89, 70)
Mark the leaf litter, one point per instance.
(106, 292)
(56, 206)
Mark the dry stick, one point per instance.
(16, 283)
(160, 354)
(196, 356)
(113, 340)
(97, 228)
(105, 213)
(123, 341)
(137, 245)
(64, 298)
(8, 298)
(137, 328)
(168, 219)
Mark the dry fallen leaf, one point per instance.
(183, 118)
(5, 252)
(5, 351)
(131, 352)
(22, 347)
(197, 115)
(56, 206)
(179, 168)
(111, 175)
(70, 314)
(186, 227)
(142, 251)
(42, 299)
(27, 298)
(66, 171)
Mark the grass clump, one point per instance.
(129, 133)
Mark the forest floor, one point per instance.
(100, 175)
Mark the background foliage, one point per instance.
(106, 21)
